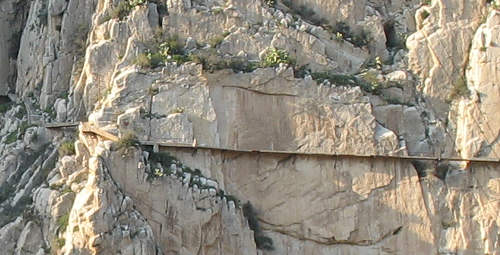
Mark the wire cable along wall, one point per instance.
(88, 128)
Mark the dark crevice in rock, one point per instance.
(262, 241)
(4, 100)
(262, 92)
(333, 241)
(421, 167)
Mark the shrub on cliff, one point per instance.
(128, 139)
(162, 51)
(124, 7)
(270, 3)
(66, 148)
(459, 89)
(274, 57)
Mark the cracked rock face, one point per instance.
(312, 76)
(313, 204)
(439, 50)
(477, 132)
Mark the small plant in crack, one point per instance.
(274, 57)
(128, 139)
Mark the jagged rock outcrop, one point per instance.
(439, 50)
(12, 23)
(477, 129)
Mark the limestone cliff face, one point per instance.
(312, 76)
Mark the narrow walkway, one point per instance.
(88, 128)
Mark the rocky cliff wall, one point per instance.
(374, 77)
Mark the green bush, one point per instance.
(62, 223)
(67, 148)
(216, 41)
(162, 51)
(163, 158)
(150, 60)
(143, 60)
(274, 57)
(424, 15)
(211, 62)
(459, 89)
(270, 3)
(342, 28)
(368, 82)
(217, 10)
(179, 59)
(24, 126)
(60, 242)
(337, 79)
(171, 46)
(120, 11)
(135, 3)
(123, 8)
(21, 112)
(128, 139)
(361, 39)
(342, 32)
(5, 107)
(12, 137)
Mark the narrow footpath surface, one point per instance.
(86, 127)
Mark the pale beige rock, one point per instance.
(477, 124)
(208, 224)
(455, 209)
(305, 204)
(352, 202)
(438, 51)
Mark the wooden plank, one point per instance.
(319, 154)
(61, 124)
(88, 128)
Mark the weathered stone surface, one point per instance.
(212, 109)
(57, 7)
(118, 202)
(30, 240)
(9, 234)
(11, 26)
(438, 51)
(478, 120)
(208, 224)
(351, 202)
